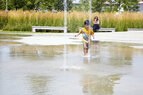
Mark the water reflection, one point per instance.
(36, 69)
(114, 54)
(99, 85)
(86, 60)
(38, 52)
(35, 50)
(39, 84)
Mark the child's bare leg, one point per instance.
(87, 48)
(85, 51)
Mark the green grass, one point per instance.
(17, 32)
(3, 19)
(24, 20)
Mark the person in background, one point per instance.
(96, 23)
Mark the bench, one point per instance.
(49, 28)
(104, 29)
(134, 30)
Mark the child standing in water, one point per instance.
(85, 36)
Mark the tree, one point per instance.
(2, 4)
(16, 4)
(110, 6)
(98, 5)
(84, 5)
(115, 5)
(36, 4)
(59, 5)
(29, 5)
(48, 4)
(130, 5)
(127, 5)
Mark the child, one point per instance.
(85, 36)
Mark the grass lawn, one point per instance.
(16, 32)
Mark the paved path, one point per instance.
(45, 38)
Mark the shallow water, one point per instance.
(112, 69)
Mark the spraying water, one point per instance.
(65, 31)
(90, 15)
(65, 16)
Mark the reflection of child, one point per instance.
(85, 36)
(96, 45)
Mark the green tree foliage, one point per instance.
(36, 4)
(2, 4)
(29, 5)
(98, 5)
(84, 5)
(16, 4)
(59, 5)
(127, 5)
(110, 5)
(130, 5)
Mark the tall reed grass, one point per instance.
(24, 20)
(3, 19)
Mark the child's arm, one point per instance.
(77, 35)
(93, 36)
(98, 22)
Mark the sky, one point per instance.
(75, 1)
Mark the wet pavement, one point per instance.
(112, 68)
